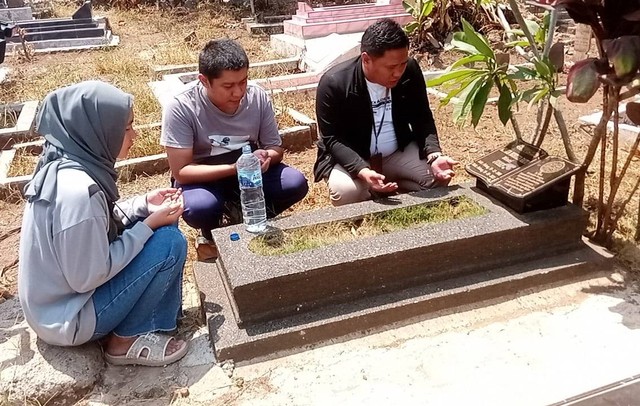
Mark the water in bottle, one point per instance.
(249, 171)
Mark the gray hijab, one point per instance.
(83, 126)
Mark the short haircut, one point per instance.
(382, 36)
(220, 55)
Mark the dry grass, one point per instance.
(24, 162)
(148, 38)
(318, 195)
(304, 102)
(147, 143)
(263, 72)
(9, 118)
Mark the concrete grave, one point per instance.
(626, 129)
(266, 25)
(309, 22)
(266, 67)
(58, 34)
(16, 14)
(25, 116)
(259, 305)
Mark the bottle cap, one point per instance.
(234, 236)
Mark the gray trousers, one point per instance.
(403, 167)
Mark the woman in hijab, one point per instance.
(90, 267)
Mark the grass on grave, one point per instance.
(304, 102)
(283, 242)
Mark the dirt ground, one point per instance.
(150, 38)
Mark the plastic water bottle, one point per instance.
(249, 171)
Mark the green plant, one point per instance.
(473, 84)
(420, 10)
(440, 16)
(616, 28)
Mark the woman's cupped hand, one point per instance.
(165, 207)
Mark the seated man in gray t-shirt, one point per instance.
(204, 129)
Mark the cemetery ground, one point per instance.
(150, 38)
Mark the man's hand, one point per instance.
(375, 181)
(442, 169)
(265, 159)
(159, 198)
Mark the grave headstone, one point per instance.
(83, 12)
(524, 177)
(582, 42)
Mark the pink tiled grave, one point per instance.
(311, 22)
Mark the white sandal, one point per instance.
(156, 346)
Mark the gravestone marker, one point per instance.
(524, 177)
(582, 42)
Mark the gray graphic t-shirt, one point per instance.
(190, 120)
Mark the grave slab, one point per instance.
(257, 305)
(627, 131)
(297, 138)
(266, 287)
(62, 34)
(127, 169)
(369, 315)
(318, 22)
(23, 130)
(15, 14)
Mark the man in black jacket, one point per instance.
(377, 130)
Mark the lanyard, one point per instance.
(384, 111)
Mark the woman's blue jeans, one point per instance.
(146, 296)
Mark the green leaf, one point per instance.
(476, 40)
(449, 76)
(461, 87)
(504, 104)
(532, 26)
(427, 8)
(479, 102)
(461, 110)
(523, 73)
(459, 41)
(411, 27)
(527, 95)
(517, 32)
(516, 44)
(542, 93)
(408, 7)
(468, 59)
(542, 68)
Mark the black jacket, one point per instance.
(345, 117)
